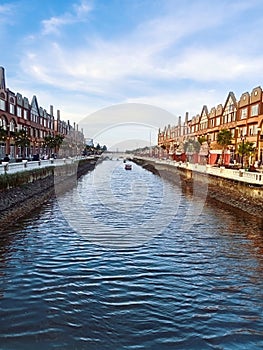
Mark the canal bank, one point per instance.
(22, 192)
(233, 192)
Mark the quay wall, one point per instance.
(22, 192)
(233, 193)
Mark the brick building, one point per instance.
(18, 114)
(243, 118)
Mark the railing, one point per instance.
(10, 168)
(255, 178)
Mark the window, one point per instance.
(215, 136)
(19, 112)
(25, 114)
(12, 109)
(252, 130)
(2, 104)
(12, 126)
(243, 113)
(243, 131)
(254, 110)
(217, 121)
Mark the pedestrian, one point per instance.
(6, 158)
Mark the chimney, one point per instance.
(58, 114)
(51, 110)
(2, 78)
(179, 120)
(179, 125)
(186, 117)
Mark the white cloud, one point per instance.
(187, 100)
(211, 65)
(135, 67)
(7, 13)
(6, 9)
(78, 14)
(102, 67)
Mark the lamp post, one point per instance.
(258, 144)
(208, 152)
(243, 138)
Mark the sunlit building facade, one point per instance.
(243, 118)
(18, 114)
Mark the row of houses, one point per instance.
(243, 118)
(20, 118)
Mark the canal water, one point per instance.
(128, 260)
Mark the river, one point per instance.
(127, 260)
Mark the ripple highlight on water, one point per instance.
(199, 288)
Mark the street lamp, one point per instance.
(258, 144)
(243, 138)
(208, 152)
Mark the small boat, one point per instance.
(128, 167)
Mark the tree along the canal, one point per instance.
(246, 149)
(191, 148)
(53, 142)
(22, 141)
(224, 138)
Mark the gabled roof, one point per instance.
(231, 99)
(204, 114)
(34, 105)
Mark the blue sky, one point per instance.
(86, 56)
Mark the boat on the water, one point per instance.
(128, 167)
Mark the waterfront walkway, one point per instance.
(254, 178)
(10, 168)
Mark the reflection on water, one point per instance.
(194, 288)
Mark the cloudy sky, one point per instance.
(119, 65)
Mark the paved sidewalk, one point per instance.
(255, 178)
(11, 168)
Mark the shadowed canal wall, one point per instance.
(244, 196)
(22, 192)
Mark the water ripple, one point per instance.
(199, 288)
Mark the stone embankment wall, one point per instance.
(22, 192)
(237, 194)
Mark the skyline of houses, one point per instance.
(21, 119)
(243, 118)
